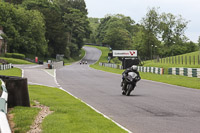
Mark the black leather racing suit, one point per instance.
(125, 73)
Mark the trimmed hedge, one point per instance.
(15, 55)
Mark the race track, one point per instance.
(152, 107)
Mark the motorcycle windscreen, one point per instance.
(132, 74)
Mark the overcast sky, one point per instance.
(136, 9)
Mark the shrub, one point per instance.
(15, 55)
(8, 55)
(18, 56)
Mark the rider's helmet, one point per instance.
(134, 68)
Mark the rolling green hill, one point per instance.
(189, 60)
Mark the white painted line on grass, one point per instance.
(50, 73)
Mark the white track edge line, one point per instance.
(91, 106)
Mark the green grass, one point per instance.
(70, 114)
(16, 61)
(169, 79)
(164, 64)
(11, 72)
(23, 118)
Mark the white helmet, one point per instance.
(134, 67)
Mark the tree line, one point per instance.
(44, 27)
(157, 34)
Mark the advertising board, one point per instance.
(124, 53)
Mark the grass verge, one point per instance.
(23, 118)
(11, 72)
(70, 114)
(169, 79)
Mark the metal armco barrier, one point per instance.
(4, 126)
(5, 66)
(155, 70)
(110, 65)
(189, 72)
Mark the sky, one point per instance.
(137, 9)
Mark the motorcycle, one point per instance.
(129, 83)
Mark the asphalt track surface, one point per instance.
(152, 107)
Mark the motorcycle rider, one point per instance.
(125, 73)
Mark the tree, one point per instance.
(118, 38)
(24, 30)
(94, 24)
(116, 24)
(172, 29)
(151, 29)
(77, 27)
(55, 29)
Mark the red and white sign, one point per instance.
(124, 53)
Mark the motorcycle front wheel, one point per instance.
(129, 89)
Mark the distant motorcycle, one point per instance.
(129, 83)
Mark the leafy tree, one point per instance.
(14, 1)
(118, 38)
(116, 23)
(66, 5)
(77, 27)
(66, 23)
(172, 29)
(151, 29)
(94, 24)
(55, 29)
(24, 29)
(101, 30)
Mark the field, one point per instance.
(189, 60)
(169, 79)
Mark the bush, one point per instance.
(8, 55)
(18, 56)
(15, 55)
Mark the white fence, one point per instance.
(5, 66)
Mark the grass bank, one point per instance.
(69, 114)
(176, 61)
(16, 61)
(11, 72)
(169, 79)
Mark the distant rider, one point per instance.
(125, 74)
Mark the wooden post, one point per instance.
(182, 59)
(17, 88)
(185, 60)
